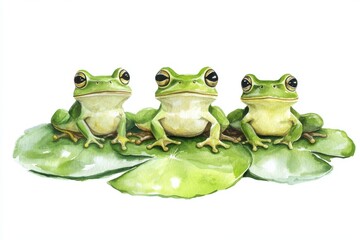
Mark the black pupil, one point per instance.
(126, 76)
(160, 77)
(79, 79)
(245, 83)
(212, 77)
(293, 83)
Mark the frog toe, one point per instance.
(310, 136)
(151, 146)
(163, 142)
(284, 141)
(122, 141)
(213, 143)
(258, 143)
(142, 136)
(230, 138)
(214, 149)
(94, 140)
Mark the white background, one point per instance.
(45, 42)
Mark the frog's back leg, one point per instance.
(142, 120)
(65, 123)
(311, 123)
(220, 116)
(236, 116)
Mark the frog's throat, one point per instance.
(267, 98)
(104, 93)
(187, 93)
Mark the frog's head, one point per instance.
(282, 90)
(88, 85)
(199, 85)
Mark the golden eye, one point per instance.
(211, 78)
(291, 83)
(124, 77)
(246, 84)
(162, 78)
(80, 80)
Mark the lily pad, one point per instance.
(37, 151)
(184, 171)
(305, 162)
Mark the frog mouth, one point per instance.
(187, 93)
(268, 98)
(104, 93)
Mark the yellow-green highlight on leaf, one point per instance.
(37, 151)
(184, 171)
(305, 162)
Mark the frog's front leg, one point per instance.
(158, 131)
(220, 116)
(252, 138)
(215, 130)
(90, 138)
(293, 135)
(121, 133)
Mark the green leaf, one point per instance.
(336, 144)
(37, 151)
(184, 171)
(305, 162)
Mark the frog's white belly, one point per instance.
(104, 123)
(183, 114)
(270, 123)
(103, 111)
(184, 123)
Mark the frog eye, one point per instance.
(124, 77)
(211, 78)
(291, 83)
(162, 78)
(80, 80)
(246, 84)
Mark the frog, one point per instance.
(98, 110)
(269, 112)
(185, 110)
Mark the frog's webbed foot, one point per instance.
(122, 140)
(258, 142)
(96, 140)
(142, 136)
(284, 140)
(310, 136)
(212, 142)
(163, 142)
(74, 137)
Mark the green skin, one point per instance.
(98, 110)
(269, 113)
(185, 111)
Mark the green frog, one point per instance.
(269, 112)
(97, 112)
(185, 110)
